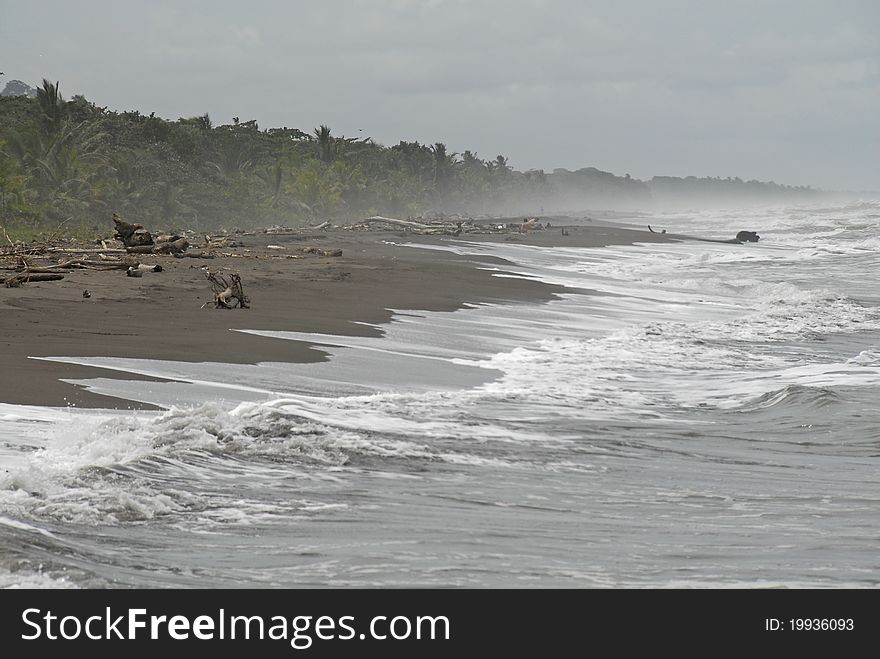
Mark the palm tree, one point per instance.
(499, 165)
(170, 204)
(315, 190)
(443, 163)
(273, 177)
(325, 143)
(51, 104)
(232, 158)
(118, 180)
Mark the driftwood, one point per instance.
(37, 269)
(138, 240)
(140, 249)
(80, 264)
(62, 250)
(143, 267)
(228, 291)
(194, 255)
(18, 280)
(131, 235)
(75, 250)
(450, 227)
(402, 223)
(138, 269)
(321, 252)
(172, 247)
(222, 241)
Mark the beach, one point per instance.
(612, 408)
(160, 315)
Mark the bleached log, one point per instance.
(71, 250)
(391, 220)
(223, 297)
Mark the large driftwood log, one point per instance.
(131, 235)
(38, 269)
(140, 249)
(83, 264)
(194, 255)
(63, 250)
(402, 223)
(173, 247)
(24, 278)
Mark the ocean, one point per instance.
(684, 415)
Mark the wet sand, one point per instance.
(159, 315)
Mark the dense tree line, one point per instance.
(63, 159)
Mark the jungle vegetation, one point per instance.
(71, 160)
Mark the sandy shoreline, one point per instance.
(158, 316)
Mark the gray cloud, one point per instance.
(786, 90)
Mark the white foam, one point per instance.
(24, 579)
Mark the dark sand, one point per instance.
(158, 316)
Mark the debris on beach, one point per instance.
(138, 240)
(321, 252)
(228, 291)
(446, 226)
(50, 259)
(131, 235)
(34, 266)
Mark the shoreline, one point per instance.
(159, 315)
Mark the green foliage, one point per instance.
(75, 162)
(325, 143)
(51, 105)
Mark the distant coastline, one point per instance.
(75, 162)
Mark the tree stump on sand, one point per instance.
(131, 235)
(228, 292)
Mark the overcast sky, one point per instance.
(785, 90)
